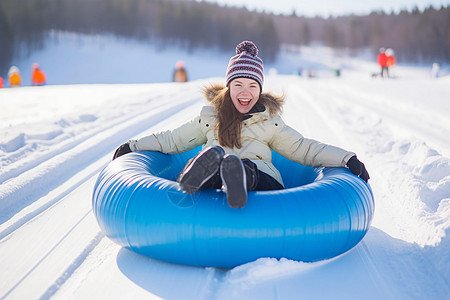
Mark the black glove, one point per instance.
(123, 149)
(358, 168)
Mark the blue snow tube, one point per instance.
(322, 213)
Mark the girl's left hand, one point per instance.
(358, 168)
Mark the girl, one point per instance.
(238, 131)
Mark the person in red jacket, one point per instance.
(1, 83)
(37, 75)
(382, 61)
(390, 59)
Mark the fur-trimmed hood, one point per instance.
(272, 102)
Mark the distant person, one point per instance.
(382, 61)
(1, 82)
(180, 74)
(390, 60)
(14, 78)
(435, 70)
(337, 72)
(37, 75)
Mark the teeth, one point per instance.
(245, 100)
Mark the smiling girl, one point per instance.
(238, 131)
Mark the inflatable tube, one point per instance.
(322, 213)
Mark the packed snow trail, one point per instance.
(65, 177)
(52, 247)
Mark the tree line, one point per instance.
(416, 36)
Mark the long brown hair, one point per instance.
(230, 119)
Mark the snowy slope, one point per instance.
(54, 140)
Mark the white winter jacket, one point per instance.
(260, 133)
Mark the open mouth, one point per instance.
(244, 102)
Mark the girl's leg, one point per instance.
(210, 169)
(239, 176)
(201, 169)
(234, 179)
(258, 180)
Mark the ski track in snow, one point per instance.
(49, 169)
(360, 137)
(52, 247)
(49, 182)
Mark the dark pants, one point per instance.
(256, 179)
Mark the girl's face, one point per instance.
(244, 93)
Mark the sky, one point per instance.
(311, 8)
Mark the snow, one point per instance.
(55, 139)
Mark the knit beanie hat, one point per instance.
(246, 63)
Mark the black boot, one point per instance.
(233, 176)
(200, 169)
(251, 174)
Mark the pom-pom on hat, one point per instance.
(246, 63)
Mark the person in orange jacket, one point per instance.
(180, 74)
(382, 61)
(1, 82)
(14, 78)
(37, 75)
(390, 59)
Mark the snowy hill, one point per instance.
(55, 139)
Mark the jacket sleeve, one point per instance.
(178, 140)
(292, 145)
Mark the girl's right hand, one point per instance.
(123, 149)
